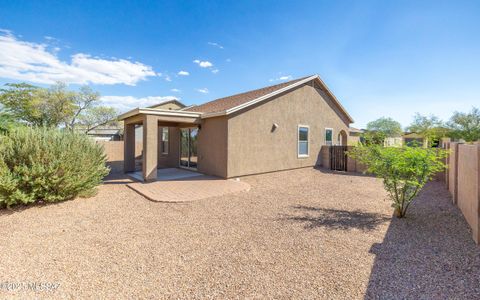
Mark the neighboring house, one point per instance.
(393, 141)
(355, 136)
(411, 138)
(274, 128)
(106, 133)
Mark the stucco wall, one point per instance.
(212, 146)
(353, 139)
(253, 147)
(463, 181)
(452, 169)
(170, 160)
(169, 106)
(114, 152)
(468, 185)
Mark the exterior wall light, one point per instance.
(274, 127)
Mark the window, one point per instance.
(164, 143)
(328, 136)
(303, 141)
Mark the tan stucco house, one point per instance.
(279, 127)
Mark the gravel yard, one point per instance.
(296, 234)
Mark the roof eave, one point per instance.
(162, 112)
(168, 101)
(128, 114)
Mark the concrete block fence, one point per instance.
(462, 179)
(114, 152)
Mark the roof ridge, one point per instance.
(240, 97)
(285, 83)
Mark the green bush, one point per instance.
(39, 164)
(404, 170)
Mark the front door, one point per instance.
(188, 148)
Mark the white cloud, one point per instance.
(33, 62)
(215, 45)
(215, 71)
(281, 78)
(203, 91)
(126, 103)
(50, 38)
(203, 64)
(175, 90)
(5, 31)
(183, 73)
(167, 78)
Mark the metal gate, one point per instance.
(338, 158)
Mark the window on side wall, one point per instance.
(303, 131)
(328, 136)
(165, 140)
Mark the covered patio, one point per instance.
(160, 150)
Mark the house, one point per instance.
(412, 138)
(393, 141)
(355, 136)
(274, 128)
(105, 133)
(170, 104)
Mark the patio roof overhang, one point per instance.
(162, 115)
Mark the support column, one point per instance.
(129, 148)
(150, 148)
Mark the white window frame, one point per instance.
(165, 150)
(298, 141)
(333, 134)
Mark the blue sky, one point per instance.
(380, 58)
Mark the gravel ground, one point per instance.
(296, 234)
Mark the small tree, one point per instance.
(377, 131)
(465, 125)
(404, 170)
(388, 126)
(431, 128)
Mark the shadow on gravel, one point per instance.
(428, 255)
(314, 217)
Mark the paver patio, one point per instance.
(297, 234)
(185, 189)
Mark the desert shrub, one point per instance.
(404, 170)
(39, 164)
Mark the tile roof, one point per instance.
(225, 103)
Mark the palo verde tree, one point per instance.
(96, 116)
(404, 170)
(465, 125)
(54, 107)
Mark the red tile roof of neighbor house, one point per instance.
(225, 103)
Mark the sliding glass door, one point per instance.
(188, 147)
